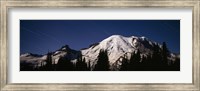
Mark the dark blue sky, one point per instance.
(41, 36)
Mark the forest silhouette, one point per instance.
(157, 61)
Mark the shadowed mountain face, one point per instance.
(116, 49)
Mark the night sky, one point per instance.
(41, 36)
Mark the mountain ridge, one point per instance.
(116, 46)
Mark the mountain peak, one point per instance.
(25, 54)
(143, 37)
(30, 54)
(124, 37)
(65, 47)
(115, 36)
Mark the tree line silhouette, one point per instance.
(157, 61)
(64, 64)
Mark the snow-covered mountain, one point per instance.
(32, 60)
(116, 45)
(35, 60)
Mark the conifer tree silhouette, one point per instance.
(165, 54)
(131, 62)
(124, 65)
(89, 66)
(64, 64)
(135, 61)
(49, 66)
(81, 64)
(102, 62)
(156, 61)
